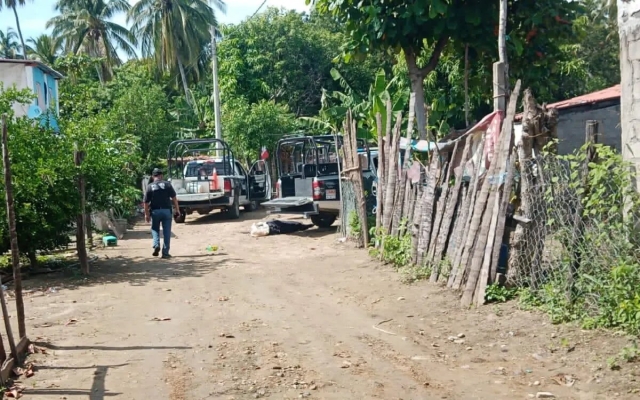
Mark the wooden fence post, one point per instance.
(15, 252)
(78, 157)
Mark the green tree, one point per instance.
(422, 31)
(249, 127)
(142, 110)
(287, 57)
(110, 166)
(9, 46)
(174, 32)
(44, 48)
(43, 189)
(13, 4)
(86, 27)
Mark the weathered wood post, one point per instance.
(15, 252)
(81, 248)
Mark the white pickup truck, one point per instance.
(204, 183)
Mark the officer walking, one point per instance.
(158, 199)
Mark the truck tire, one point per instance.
(251, 206)
(233, 212)
(180, 218)
(323, 220)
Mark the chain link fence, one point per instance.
(576, 246)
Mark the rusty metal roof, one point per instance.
(611, 93)
(591, 98)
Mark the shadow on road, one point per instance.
(137, 271)
(98, 389)
(109, 348)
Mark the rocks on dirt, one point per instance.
(545, 395)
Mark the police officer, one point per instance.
(158, 199)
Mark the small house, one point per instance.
(42, 80)
(602, 106)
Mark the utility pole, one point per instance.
(216, 87)
(501, 68)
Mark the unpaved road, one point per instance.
(288, 317)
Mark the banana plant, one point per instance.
(334, 105)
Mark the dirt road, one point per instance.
(288, 317)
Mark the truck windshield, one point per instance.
(203, 169)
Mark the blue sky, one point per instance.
(35, 14)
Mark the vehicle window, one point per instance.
(239, 169)
(206, 169)
(291, 157)
(294, 154)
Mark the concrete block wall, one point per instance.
(572, 122)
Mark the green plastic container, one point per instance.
(110, 240)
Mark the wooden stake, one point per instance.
(15, 252)
(381, 172)
(81, 247)
(475, 230)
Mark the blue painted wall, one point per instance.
(46, 102)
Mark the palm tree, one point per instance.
(44, 48)
(174, 32)
(9, 46)
(13, 4)
(86, 28)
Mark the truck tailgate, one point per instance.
(288, 202)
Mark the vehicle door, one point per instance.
(259, 182)
(242, 179)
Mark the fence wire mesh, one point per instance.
(581, 237)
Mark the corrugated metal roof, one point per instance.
(32, 63)
(591, 98)
(611, 93)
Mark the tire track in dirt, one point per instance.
(177, 377)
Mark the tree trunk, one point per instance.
(24, 48)
(629, 31)
(416, 76)
(185, 86)
(33, 258)
(13, 233)
(81, 247)
(417, 88)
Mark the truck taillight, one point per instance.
(278, 184)
(317, 189)
(227, 186)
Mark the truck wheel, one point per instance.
(180, 218)
(251, 206)
(323, 220)
(233, 212)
